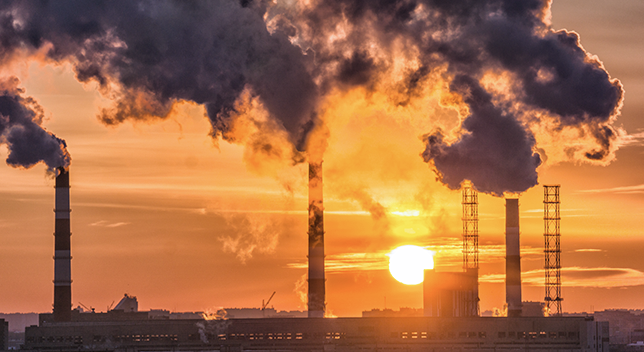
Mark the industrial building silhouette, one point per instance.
(451, 320)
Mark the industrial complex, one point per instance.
(451, 319)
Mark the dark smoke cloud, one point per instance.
(356, 70)
(552, 77)
(495, 145)
(146, 55)
(20, 129)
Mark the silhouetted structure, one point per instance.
(470, 228)
(125, 329)
(471, 243)
(512, 258)
(128, 304)
(4, 335)
(626, 326)
(552, 248)
(402, 312)
(62, 250)
(316, 294)
(532, 309)
(449, 294)
(341, 334)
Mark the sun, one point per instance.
(407, 264)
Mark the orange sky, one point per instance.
(161, 213)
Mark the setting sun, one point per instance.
(407, 263)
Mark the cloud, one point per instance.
(350, 262)
(619, 190)
(105, 223)
(601, 277)
(589, 250)
(632, 140)
(448, 254)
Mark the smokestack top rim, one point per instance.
(62, 179)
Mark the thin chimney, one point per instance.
(316, 294)
(512, 258)
(62, 252)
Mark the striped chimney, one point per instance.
(512, 258)
(62, 253)
(316, 294)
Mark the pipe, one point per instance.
(316, 293)
(62, 250)
(512, 258)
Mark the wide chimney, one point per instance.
(316, 294)
(62, 253)
(512, 258)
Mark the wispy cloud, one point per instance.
(579, 277)
(349, 262)
(105, 223)
(635, 139)
(204, 211)
(448, 254)
(622, 190)
(589, 250)
(251, 233)
(540, 210)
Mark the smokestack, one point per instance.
(512, 258)
(62, 252)
(316, 296)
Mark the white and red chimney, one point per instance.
(316, 293)
(62, 250)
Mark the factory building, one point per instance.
(450, 320)
(314, 334)
(448, 294)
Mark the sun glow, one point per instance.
(406, 213)
(408, 263)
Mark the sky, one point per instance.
(185, 221)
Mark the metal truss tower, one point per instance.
(470, 228)
(552, 249)
(471, 246)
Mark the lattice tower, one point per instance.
(470, 228)
(552, 249)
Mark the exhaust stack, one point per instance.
(62, 251)
(316, 294)
(512, 258)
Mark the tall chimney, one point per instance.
(316, 295)
(62, 253)
(512, 258)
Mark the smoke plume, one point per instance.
(21, 130)
(547, 77)
(511, 78)
(497, 148)
(147, 55)
(252, 233)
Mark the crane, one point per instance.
(267, 302)
(92, 309)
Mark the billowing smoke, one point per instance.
(147, 55)
(510, 77)
(497, 153)
(510, 71)
(21, 130)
